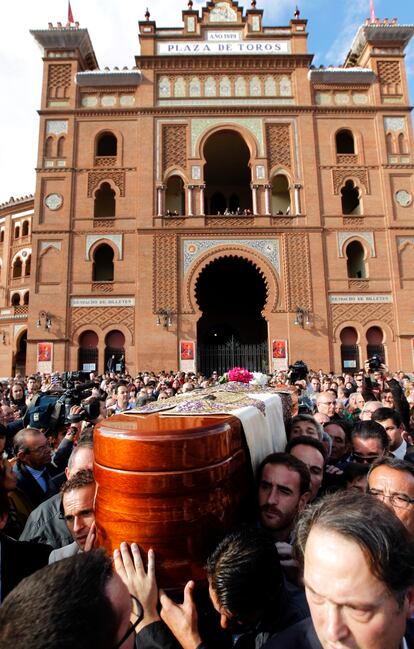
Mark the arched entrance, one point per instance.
(115, 346)
(349, 350)
(231, 293)
(375, 339)
(88, 351)
(227, 173)
(20, 357)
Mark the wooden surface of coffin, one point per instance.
(176, 484)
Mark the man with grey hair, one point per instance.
(45, 524)
(358, 574)
(368, 410)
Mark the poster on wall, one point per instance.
(44, 357)
(279, 355)
(187, 356)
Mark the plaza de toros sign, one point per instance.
(222, 43)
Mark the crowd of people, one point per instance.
(325, 558)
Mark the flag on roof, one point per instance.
(70, 14)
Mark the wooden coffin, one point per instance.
(174, 484)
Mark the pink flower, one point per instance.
(240, 375)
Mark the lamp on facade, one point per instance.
(164, 317)
(44, 319)
(302, 317)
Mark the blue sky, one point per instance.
(113, 29)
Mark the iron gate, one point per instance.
(221, 358)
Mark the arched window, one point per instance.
(175, 196)
(350, 199)
(375, 338)
(88, 351)
(15, 300)
(345, 142)
(355, 260)
(61, 148)
(390, 143)
(17, 232)
(280, 195)
(105, 203)
(103, 264)
(49, 147)
(218, 203)
(349, 349)
(26, 298)
(17, 268)
(1, 236)
(402, 144)
(25, 228)
(27, 265)
(107, 145)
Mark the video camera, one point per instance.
(375, 363)
(51, 410)
(77, 390)
(297, 372)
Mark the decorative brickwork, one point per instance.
(362, 313)
(102, 287)
(347, 159)
(279, 222)
(96, 177)
(173, 223)
(105, 161)
(165, 272)
(278, 145)
(358, 284)
(59, 81)
(389, 72)
(174, 146)
(229, 222)
(340, 176)
(103, 318)
(297, 267)
(104, 224)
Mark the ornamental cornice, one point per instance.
(342, 87)
(54, 170)
(350, 167)
(288, 61)
(398, 166)
(106, 169)
(102, 234)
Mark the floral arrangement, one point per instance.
(259, 379)
(240, 375)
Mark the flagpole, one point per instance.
(372, 11)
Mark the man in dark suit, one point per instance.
(17, 559)
(33, 467)
(358, 574)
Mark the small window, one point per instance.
(49, 147)
(345, 142)
(1, 236)
(26, 298)
(280, 195)
(17, 268)
(355, 255)
(103, 264)
(107, 145)
(61, 148)
(350, 199)
(175, 196)
(17, 232)
(25, 229)
(27, 266)
(105, 202)
(15, 300)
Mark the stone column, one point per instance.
(161, 200)
(268, 200)
(190, 189)
(297, 187)
(254, 189)
(202, 193)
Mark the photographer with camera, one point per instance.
(391, 392)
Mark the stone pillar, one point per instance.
(202, 193)
(190, 189)
(297, 187)
(161, 200)
(254, 189)
(268, 200)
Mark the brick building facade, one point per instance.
(223, 192)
